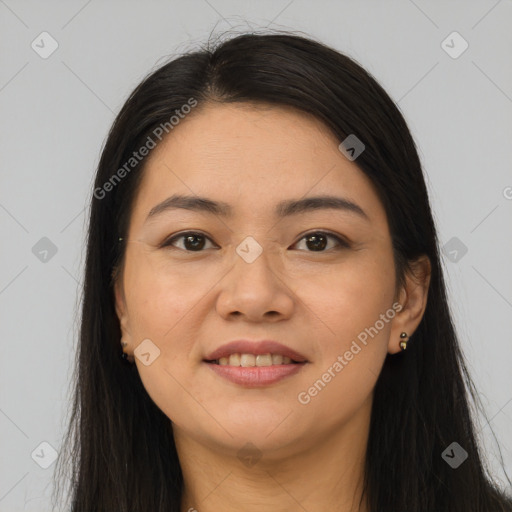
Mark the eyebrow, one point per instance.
(283, 209)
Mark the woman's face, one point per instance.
(252, 273)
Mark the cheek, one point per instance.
(350, 296)
(353, 309)
(160, 294)
(161, 306)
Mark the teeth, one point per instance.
(248, 360)
(263, 360)
(277, 359)
(234, 360)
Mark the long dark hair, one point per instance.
(119, 446)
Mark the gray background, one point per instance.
(56, 113)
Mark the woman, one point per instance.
(265, 323)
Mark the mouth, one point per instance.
(251, 364)
(254, 360)
(247, 353)
(255, 370)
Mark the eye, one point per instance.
(317, 240)
(193, 241)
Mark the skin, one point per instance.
(188, 303)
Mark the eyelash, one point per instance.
(341, 242)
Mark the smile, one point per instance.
(249, 360)
(250, 370)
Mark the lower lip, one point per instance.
(256, 376)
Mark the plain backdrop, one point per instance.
(55, 113)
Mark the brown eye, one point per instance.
(317, 241)
(192, 241)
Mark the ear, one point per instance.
(122, 314)
(413, 299)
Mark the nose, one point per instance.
(256, 291)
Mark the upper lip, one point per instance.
(255, 347)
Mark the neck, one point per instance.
(321, 474)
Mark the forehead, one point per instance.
(253, 157)
(246, 136)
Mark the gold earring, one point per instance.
(403, 342)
